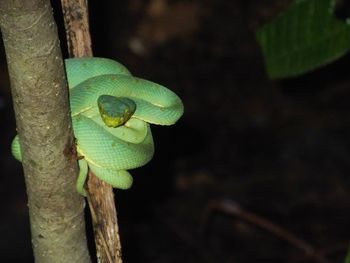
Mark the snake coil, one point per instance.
(110, 143)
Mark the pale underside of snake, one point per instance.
(108, 143)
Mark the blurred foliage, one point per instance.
(303, 38)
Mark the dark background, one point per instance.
(278, 149)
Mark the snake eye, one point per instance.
(115, 111)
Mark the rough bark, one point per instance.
(105, 222)
(100, 194)
(41, 106)
(76, 22)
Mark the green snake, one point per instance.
(111, 111)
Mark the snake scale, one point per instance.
(111, 114)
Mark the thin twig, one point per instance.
(232, 208)
(100, 194)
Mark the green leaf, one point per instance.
(303, 38)
(347, 258)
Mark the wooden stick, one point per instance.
(234, 209)
(100, 194)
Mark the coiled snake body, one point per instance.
(111, 112)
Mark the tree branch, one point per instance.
(44, 127)
(100, 194)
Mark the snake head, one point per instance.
(115, 111)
